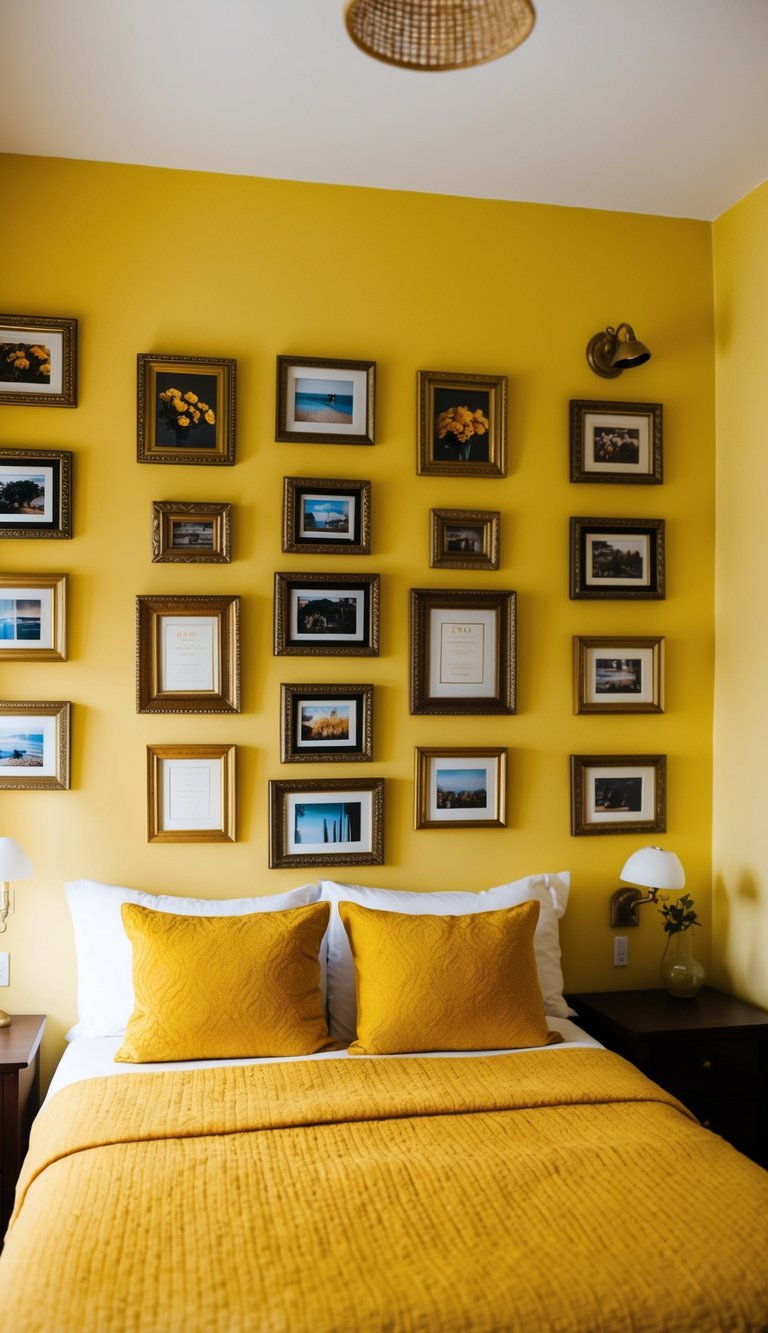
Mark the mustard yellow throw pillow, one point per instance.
(213, 987)
(445, 983)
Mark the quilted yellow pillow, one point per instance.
(212, 987)
(445, 983)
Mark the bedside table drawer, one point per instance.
(707, 1067)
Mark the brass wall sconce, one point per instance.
(653, 868)
(608, 353)
(14, 864)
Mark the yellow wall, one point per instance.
(159, 261)
(740, 832)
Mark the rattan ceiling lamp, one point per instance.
(439, 34)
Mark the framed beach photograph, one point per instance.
(188, 532)
(35, 493)
(38, 361)
(624, 674)
(462, 651)
(187, 654)
(460, 788)
(321, 401)
(324, 517)
(613, 793)
(191, 793)
(464, 538)
(33, 617)
(186, 409)
(326, 722)
(617, 558)
(333, 821)
(462, 428)
(619, 442)
(325, 615)
(34, 746)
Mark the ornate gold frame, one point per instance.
(167, 514)
(157, 755)
(60, 779)
(150, 613)
(56, 585)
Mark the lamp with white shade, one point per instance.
(654, 869)
(14, 864)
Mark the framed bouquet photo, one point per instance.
(333, 821)
(618, 793)
(188, 654)
(619, 442)
(35, 493)
(460, 788)
(463, 646)
(320, 615)
(617, 558)
(188, 532)
(33, 617)
(38, 361)
(462, 424)
(326, 722)
(324, 517)
(325, 402)
(618, 675)
(186, 409)
(34, 746)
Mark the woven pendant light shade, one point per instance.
(439, 34)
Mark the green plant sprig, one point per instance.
(678, 914)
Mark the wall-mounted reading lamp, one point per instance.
(653, 868)
(14, 864)
(608, 353)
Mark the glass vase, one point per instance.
(681, 973)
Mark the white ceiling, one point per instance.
(650, 106)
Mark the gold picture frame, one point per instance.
(322, 401)
(462, 651)
(191, 532)
(35, 493)
(334, 821)
(460, 787)
(622, 674)
(33, 617)
(616, 442)
(191, 793)
(618, 793)
(617, 559)
(34, 746)
(188, 654)
(326, 723)
(464, 538)
(326, 615)
(462, 424)
(186, 409)
(325, 517)
(38, 361)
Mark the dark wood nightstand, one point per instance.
(19, 1101)
(710, 1051)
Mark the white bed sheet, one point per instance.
(93, 1057)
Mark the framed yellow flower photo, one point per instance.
(186, 409)
(38, 361)
(462, 424)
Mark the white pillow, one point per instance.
(105, 995)
(551, 891)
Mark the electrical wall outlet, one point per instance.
(620, 951)
(5, 969)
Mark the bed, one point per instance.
(538, 1184)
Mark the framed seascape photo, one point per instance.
(614, 793)
(186, 409)
(187, 532)
(321, 401)
(38, 361)
(333, 821)
(463, 646)
(34, 746)
(324, 517)
(618, 675)
(188, 654)
(620, 442)
(464, 538)
(460, 788)
(35, 493)
(617, 558)
(462, 424)
(191, 793)
(326, 615)
(33, 617)
(325, 722)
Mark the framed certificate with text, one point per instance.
(187, 655)
(462, 651)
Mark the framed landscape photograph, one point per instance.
(186, 409)
(33, 617)
(617, 558)
(188, 532)
(460, 788)
(191, 793)
(619, 442)
(324, 517)
(327, 615)
(38, 361)
(34, 746)
(188, 654)
(624, 674)
(613, 793)
(463, 651)
(325, 722)
(321, 401)
(35, 493)
(464, 538)
(462, 424)
(333, 821)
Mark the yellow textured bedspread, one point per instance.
(552, 1192)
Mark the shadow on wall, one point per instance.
(745, 894)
